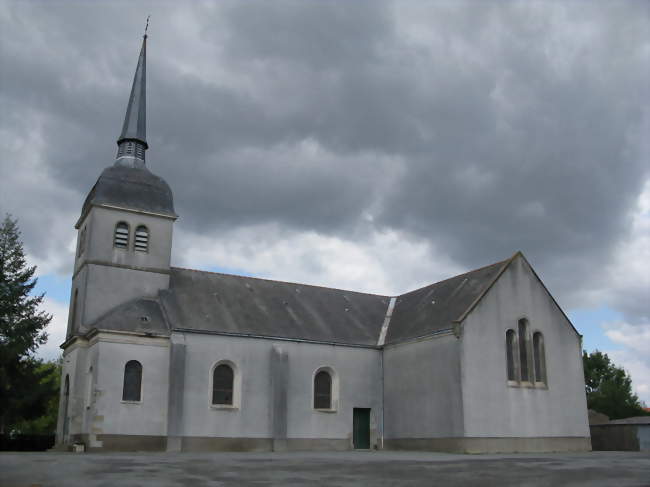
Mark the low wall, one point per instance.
(622, 437)
(26, 442)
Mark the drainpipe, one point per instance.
(383, 402)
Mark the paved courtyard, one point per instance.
(330, 468)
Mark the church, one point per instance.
(162, 358)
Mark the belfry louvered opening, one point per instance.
(141, 239)
(121, 239)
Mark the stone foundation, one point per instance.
(491, 445)
(451, 445)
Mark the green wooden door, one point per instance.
(361, 428)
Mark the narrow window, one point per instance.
(132, 381)
(523, 350)
(82, 242)
(323, 390)
(89, 387)
(223, 379)
(538, 357)
(73, 317)
(510, 354)
(121, 240)
(141, 239)
(66, 401)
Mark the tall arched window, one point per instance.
(223, 379)
(323, 390)
(523, 350)
(141, 243)
(539, 360)
(121, 238)
(510, 354)
(132, 381)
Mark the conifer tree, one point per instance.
(22, 330)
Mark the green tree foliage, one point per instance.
(47, 392)
(22, 330)
(609, 388)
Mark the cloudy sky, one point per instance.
(376, 146)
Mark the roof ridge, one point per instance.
(281, 282)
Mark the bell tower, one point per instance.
(124, 235)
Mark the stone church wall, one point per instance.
(423, 404)
(108, 276)
(525, 416)
(98, 417)
(273, 408)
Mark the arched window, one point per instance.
(121, 238)
(223, 379)
(539, 360)
(523, 350)
(510, 354)
(132, 381)
(141, 243)
(323, 390)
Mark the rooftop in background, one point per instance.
(632, 420)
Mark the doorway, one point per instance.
(361, 428)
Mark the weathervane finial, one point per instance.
(146, 27)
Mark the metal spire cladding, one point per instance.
(132, 142)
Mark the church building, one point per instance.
(170, 359)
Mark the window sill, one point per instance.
(325, 410)
(227, 407)
(131, 402)
(527, 385)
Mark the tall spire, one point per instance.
(133, 140)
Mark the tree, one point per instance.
(22, 330)
(609, 388)
(47, 393)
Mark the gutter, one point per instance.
(268, 337)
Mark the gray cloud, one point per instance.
(481, 127)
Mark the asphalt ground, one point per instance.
(383, 468)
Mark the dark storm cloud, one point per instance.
(483, 127)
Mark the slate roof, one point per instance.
(135, 120)
(142, 315)
(435, 307)
(211, 302)
(135, 188)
